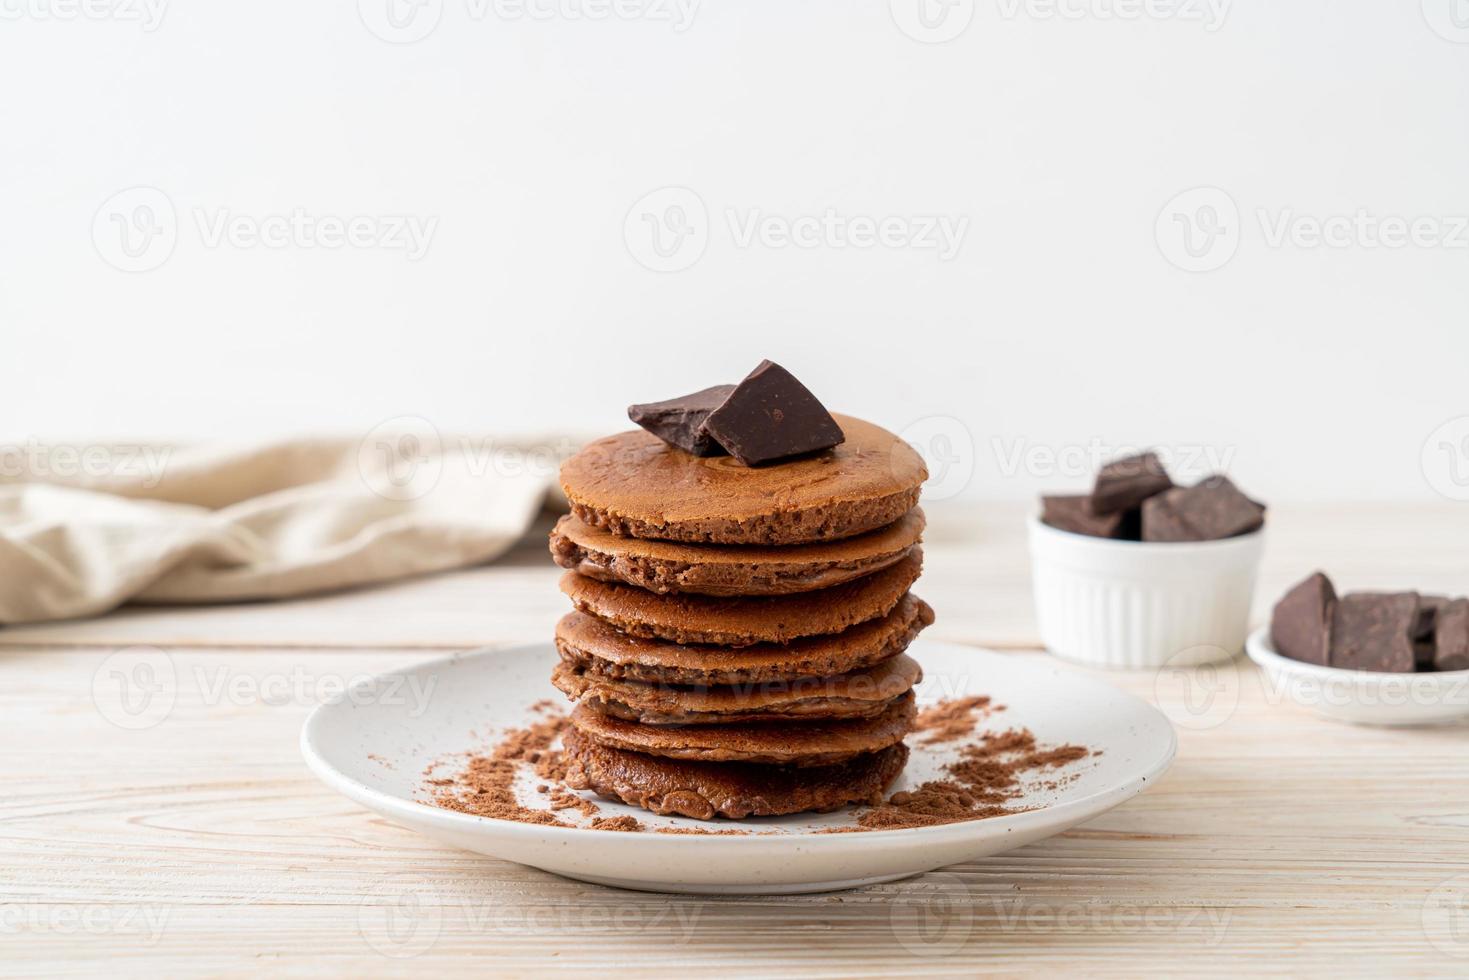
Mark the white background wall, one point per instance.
(1063, 319)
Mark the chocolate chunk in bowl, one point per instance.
(1300, 626)
(1374, 631)
(1124, 484)
(1211, 509)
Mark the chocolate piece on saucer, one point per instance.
(1125, 483)
(1211, 509)
(1428, 607)
(1300, 626)
(1451, 636)
(1073, 512)
(771, 416)
(1374, 631)
(677, 421)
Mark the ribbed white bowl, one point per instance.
(1142, 604)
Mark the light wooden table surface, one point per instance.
(1277, 843)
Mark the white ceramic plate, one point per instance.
(374, 743)
(1362, 697)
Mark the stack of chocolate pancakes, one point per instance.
(737, 645)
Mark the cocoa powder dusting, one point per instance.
(949, 721)
(986, 776)
(624, 823)
(486, 786)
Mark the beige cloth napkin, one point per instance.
(84, 529)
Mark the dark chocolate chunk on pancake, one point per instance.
(859, 694)
(731, 570)
(740, 621)
(604, 651)
(635, 484)
(771, 416)
(704, 790)
(810, 743)
(678, 421)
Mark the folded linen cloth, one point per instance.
(84, 529)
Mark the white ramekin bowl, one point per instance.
(1142, 604)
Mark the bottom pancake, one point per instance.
(809, 743)
(705, 790)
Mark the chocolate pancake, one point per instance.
(605, 652)
(731, 570)
(742, 621)
(806, 743)
(859, 694)
(704, 790)
(637, 485)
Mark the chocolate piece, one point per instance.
(1451, 636)
(1209, 510)
(1073, 512)
(1374, 631)
(771, 416)
(1125, 483)
(1428, 607)
(677, 421)
(1300, 626)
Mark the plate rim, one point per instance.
(375, 799)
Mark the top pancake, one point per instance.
(731, 570)
(635, 484)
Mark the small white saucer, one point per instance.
(374, 743)
(1361, 697)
